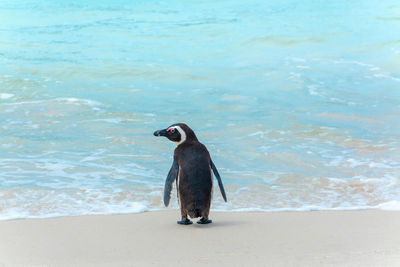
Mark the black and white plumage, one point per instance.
(191, 168)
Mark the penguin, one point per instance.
(191, 168)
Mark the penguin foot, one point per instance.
(184, 221)
(204, 221)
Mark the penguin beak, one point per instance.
(160, 132)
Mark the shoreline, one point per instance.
(294, 238)
(393, 206)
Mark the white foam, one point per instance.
(312, 90)
(301, 67)
(390, 205)
(258, 133)
(296, 59)
(21, 213)
(380, 75)
(362, 64)
(96, 203)
(303, 208)
(76, 101)
(79, 101)
(6, 96)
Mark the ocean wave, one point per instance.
(75, 101)
(139, 207)
(21, 213)
(295, 119)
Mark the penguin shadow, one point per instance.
(217, 224)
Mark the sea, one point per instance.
(298, 103)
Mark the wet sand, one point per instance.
(331, 238)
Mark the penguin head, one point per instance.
(178, 133)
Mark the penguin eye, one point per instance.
(171, 130)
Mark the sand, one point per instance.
(334, 238)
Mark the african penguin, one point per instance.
(191, 168)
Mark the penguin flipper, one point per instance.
(172, 175)
(221, 186)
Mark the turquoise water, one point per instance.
(298, 103)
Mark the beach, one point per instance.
(314, 238)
